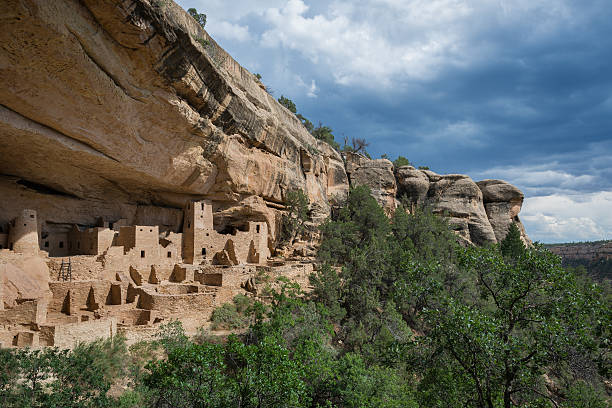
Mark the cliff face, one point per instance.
(127, 109)
(480, 213)
(587, 251)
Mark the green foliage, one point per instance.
(78, 378)
(512, 246)
(233, 315)
(287, 103)
(234, 374)
(200, 18)
(204, 43)
(528, 315)
(258, 76)
(401, 161)
(584, 395)
(307, 124)
(325, 133)
(360, 221)
(297, 214)
(423, 167)
(171, 335)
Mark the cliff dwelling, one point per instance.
(62, 287)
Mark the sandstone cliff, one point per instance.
(119, 109)
(128, 109)
(481, 213)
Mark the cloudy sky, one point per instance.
(519, 90)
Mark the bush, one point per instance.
(288, 103)
(200, 18)
(78, 378)
(234, 315)
(401, 161)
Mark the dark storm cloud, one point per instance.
(519, 90)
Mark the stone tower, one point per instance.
(23, 233)
(197, 231)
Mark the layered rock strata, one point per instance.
(480, 212)
(130, 108)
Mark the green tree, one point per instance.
(401, 161)
(325, 133)
(512, 245)
(297, 214)
(200, 18)
(355, 223)
(287, 103)
(529, 314)
(78, 378)
(307, 124)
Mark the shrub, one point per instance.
(287, 103)
(401, 161)
(200, 18)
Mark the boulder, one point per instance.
(377, 175)
(23, 278)
(460, 199)
(412, 184)
(503, 202)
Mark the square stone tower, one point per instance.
(197, 231)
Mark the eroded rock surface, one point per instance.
(376, 174)
(125, 105)
(503, 202)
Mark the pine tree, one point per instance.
(512, 246)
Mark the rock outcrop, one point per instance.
(120, 109)
(479, 212)
(22, 278)
(128, 109)
(377, 175)
(587, 251)
(503, 202)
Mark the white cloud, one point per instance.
(356, 47)
(384, 42)
(228, 31)
(558, 218)
(312, 90)
(542, 179)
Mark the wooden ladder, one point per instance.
(65, 272)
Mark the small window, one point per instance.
(142, 254)
(141, 229)
(203, 251)
(169, 254)
(188, 224)
(207, 234)
(61, 244)
(46, 244)
(201, 216)
(257, 229)
(25, 225)
(150, 230)
(31, 215)
(202, 206)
